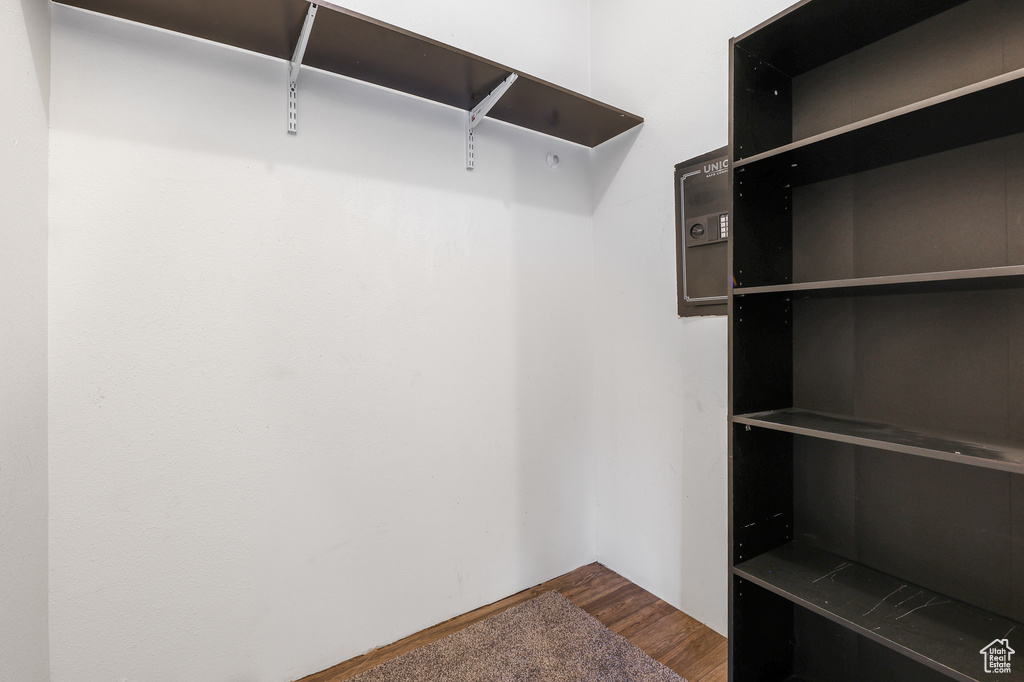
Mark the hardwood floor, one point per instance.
(668, 635)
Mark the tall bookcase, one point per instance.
(877, 343)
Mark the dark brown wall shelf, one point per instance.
(941, 633)
(877, 341)
(357, 46)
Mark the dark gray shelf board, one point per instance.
(937, 631)
(360, 47)
(1002, 277)
(977, 113)
(810, 33)
(844, 429)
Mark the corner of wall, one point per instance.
(662, 385)
(24, 163)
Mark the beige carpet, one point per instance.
(547, 638)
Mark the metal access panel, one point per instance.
(703, 205)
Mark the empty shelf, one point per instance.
(970, 115)
(1003, 277)
(939, 632)
(885, 437)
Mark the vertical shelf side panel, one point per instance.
(757, 652)
(762, 362)
(762, 491)
(1017, 549)
(762, 108)
(761, 339)
(825, 496)
(1015, 312)
(762, 231)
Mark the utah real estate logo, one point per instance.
(997, 656)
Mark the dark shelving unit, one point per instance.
(877, 342)
(360, 47)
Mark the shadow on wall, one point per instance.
(607, 159)
(384, 134)
(37, 23)
(554, 405)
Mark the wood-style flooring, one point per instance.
(668, 635)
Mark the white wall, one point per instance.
(661, 381)
(549, 40)
(24, 82)
(310, 395)
(307, 395)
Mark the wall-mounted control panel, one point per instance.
(703, 227)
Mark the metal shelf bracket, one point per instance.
(478, 112)
(295, 65)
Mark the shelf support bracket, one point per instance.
(478, 113)
(295, 64)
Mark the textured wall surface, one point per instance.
(24, 82)
(661, 381)
(308, 395)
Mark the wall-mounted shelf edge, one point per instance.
(363, 48)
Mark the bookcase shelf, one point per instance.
(1003, 277)
(976, 113)
(942, 633)
(876, 330)
(843, 429)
